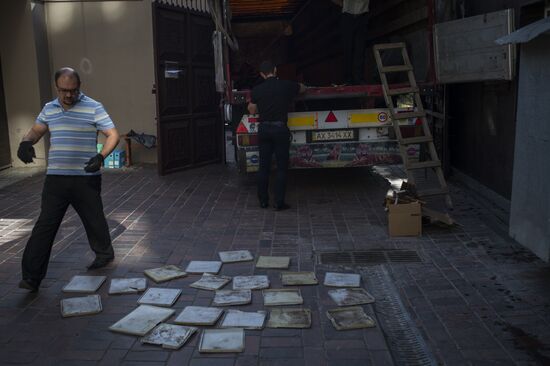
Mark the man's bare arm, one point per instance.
(112, 141)
(36, 133)
(252, 108)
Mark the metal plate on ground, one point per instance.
(273, 262)
(160, 296)
(282, 297)
(84, 284)
(232, 297)
(342, 279)
(298, 278)
(169, 336)
(211, 282)
(222, 340)
(350, 296)
(289, 318)
(350, 318)
(141, 320)
(203, 267)
(198, 315)
(166, 273)
(120, 286)
(236, 256)
(242, 319)
(77, 306)
(250, 282)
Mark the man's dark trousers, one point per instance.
(354, 42)
(60, 191)
(274, 138)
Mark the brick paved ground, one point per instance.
(477, 298)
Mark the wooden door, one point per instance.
(189, 122)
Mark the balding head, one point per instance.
(66, 72)
(67, 83)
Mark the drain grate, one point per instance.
(337, 258)
(403, 256)
(370, 257)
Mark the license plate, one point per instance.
(334, 135)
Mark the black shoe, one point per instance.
(28, 285)
(282, 207)
(100, 263)
(264, 204)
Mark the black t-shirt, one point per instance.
(273, 98)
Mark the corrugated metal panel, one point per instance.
(242, 9)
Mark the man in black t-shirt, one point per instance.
(271, 100)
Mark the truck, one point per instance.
(332, 125)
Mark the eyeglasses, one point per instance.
(68, 91)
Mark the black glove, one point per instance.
(94, 164)
(25, 153)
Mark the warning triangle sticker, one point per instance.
(241, 128)
(331, 117)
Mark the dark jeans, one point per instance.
(84, 194)
(274, 138)
(354, 39)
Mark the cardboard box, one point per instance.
(405, 219)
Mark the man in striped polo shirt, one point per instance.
(73, 176)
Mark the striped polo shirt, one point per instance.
(73, 134)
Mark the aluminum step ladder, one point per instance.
(419, 113)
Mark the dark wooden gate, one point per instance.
(189, 126)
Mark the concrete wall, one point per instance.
(111, 45)
(42, 52)
(20, 73)
(483, 114)
(42, 59)
(5, 148)
(530, 212)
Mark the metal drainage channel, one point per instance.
(404, 339)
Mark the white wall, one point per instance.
(20, 73)
(530, 212)
(111, 45)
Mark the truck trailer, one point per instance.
(333, 125)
